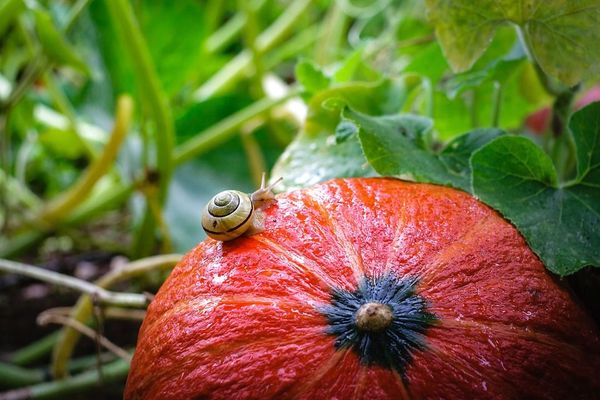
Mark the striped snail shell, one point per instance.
(228, 215)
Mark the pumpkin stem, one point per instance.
(373, 317)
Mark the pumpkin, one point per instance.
(369, 288)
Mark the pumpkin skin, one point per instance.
(248, 319)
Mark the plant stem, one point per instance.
(18, 190)
(74, 14)
(254, 155)
(34, 351)
(64, 106)
(12, 376)
(157, 215)
(82, 311)
(114, 371)
(330, 35)
(31, 74)
(250, 35)
(225, 129)
(222, 37)
(103, 295)
(292, 47)
(123, 17)
(108, 199)
(45, 318)
(473, 109)
(265, 41)
(61, 206)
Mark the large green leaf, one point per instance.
(9, 10)
(560, 223)
(174, 31)
(315, 155)
(311, 77)
(563, 36)
(396, 145)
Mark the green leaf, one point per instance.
(9, 10)
(396, 145)
(311, 77)
(499, 71)
(54, 43)
(62, 143)
(175, 31)
(585, 127)
(473, 104)
(344, 130)
(561, 224)
(563, 36)
(315, 155)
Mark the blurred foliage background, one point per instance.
(120, 119)
(205, 78)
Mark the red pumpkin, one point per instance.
(458, 306)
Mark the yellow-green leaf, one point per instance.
(563, 36)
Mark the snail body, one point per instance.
(231, 213)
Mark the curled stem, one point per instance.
(49, 316)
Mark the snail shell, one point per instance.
(228, 215)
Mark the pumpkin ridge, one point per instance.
(361, 381)
(340, 236)
(180, 306)
(304, 265)
(213, 301)
(467, 368)
(181, 371)
(439, 259)
(405, 393)
(485, 361)
(318, 374)
(508, 330)
(398, 234)
(308, 331)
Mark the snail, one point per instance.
(231, 213)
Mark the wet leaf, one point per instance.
(563, 36)
(560, 223)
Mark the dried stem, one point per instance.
(49, 316)
(103, 295)
(82, 311)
